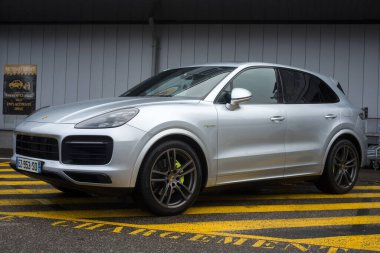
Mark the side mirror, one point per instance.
(238, 95)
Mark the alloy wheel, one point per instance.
(345, 166)
(173, 178)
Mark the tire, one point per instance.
(341, 170)
(70, 191)
(170, 179)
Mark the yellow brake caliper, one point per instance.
(177, 166)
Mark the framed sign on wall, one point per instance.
(19, 89)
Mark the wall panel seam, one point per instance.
(103, 56)
(67, 48)
(116, 54)
(78, 68)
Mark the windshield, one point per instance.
(194, 82)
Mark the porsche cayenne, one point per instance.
(188, 128)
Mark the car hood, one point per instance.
(76, 112)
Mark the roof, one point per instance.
(258, 64)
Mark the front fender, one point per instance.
(211, 180)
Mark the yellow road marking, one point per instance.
(282, 208)
(290, 196)
(12, 176)
(7, 170)
(28, 191)
(208, 198)
(61, 215)
(4, 164)
(56, 201)
(76, 214)
(368, 242)
(360, 242)
(365, 242)
(22, 183)
(193, 210)
(367, 187)
(238, 225)
(88, 222)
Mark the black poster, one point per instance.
(19, 89)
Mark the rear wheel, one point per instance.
(170, 178)
(341, 169)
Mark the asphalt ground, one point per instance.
(265, 217)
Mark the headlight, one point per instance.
(109, 119)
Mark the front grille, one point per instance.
(87, 150)
(37, 147)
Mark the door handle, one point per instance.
(330, 116)
(277, 118)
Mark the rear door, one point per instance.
(312, 114)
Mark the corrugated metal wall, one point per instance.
(79, 62)
(349, 53)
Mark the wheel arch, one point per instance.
(174, 134)
(348, 135)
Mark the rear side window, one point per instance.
(303, 88)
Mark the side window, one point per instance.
(303, 88)
(261, 82)
(328, 95)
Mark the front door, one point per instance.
(251, 138)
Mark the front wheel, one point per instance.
(170, 178)
(341, 169)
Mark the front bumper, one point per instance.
(127, 143)
(55, 180)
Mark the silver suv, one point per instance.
(194, 127)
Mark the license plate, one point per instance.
(28, 165)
